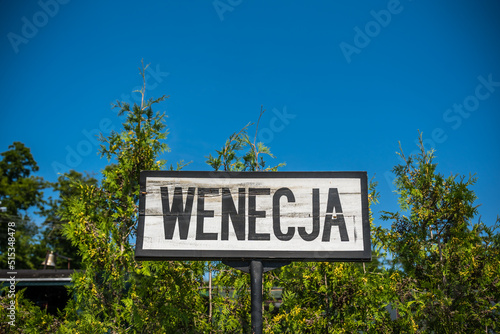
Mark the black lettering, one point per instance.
(253, 214)
(315, 219)
(177, 213)
(238, 218)
(276, 214)
(202, 213)
(334, 202)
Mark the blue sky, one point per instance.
(342, 82)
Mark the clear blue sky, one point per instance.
(342, 81)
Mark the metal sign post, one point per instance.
(256, 268)
(256, 271)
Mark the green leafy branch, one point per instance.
(252, 160)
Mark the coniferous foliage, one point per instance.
(114, 293)
(20, 191)
(448, 279)
(57, 206)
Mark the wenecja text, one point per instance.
(243, 217)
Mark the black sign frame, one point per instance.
(246, 255)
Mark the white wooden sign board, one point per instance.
(300, 216)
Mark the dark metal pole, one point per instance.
(256, 270)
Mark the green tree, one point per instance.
(29, 318)
(19, 192)
(53, 238)
(114, 293)
(229, 157)
(448, 266)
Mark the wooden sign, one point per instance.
(299, 216)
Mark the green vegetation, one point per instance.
(437, 267)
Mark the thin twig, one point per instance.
(255, 138)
